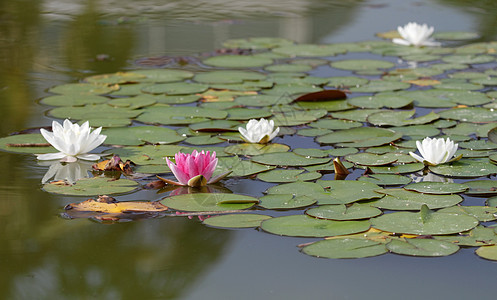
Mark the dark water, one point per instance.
(43, 256)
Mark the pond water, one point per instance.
(44, 256)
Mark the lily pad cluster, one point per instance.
(368, 112)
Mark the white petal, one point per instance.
(88, 156)
(50, 156)
(401, 42)
(416, 157)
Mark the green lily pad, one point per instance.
(140, 135)
(341, 212)
(236, 220)
(237, 61)
(431, 223)
(455, 35)
(164, 75)
(398, 169)
(179, 115)
(346, 81)
(288, 68)
(380, 101)
(422, 247)
(240, 167)
(346, 191)
(243, 113)
(468, 59)
(149, 154)
(481, 213)
(487, 252)
(257, 43)
(93, 186)
(175, 88)
(262, 100)
(106, 122)
(439, 188)
(360, 137)
(133, 102)
(481, 188)
(209, 202)
(305, 226)
(385, 179)
(20, 144)
(249, 149)
(97, 111)
(81, 89)
(311, 152)
(380, 86)
(400, 118)
(399, 199)
(114, 78)
(370, 159)
(361, 64)
(288, 176)
(466, 168)
(359, 115)
(176, 99)
(478, 236)
(285, 201)
(297, 117)
(298, 188)
(335, 124)
(309, 50)
(345, 248)
(289, 159)
(73, 100)
(227, 76)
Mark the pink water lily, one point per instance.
(194, 169)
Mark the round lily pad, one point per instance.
(209, 202)
(341, 212)
(163, 75)
(481, 213)
(487, 252)
(481, 188)
(262, 100)
(250, 149)
(93, 186)
(288, 159)
(298, 188)
(361, 64)
(73, 100)
(140, 135)
(455, 35)
(97, 111)
(236, 220)
(114, 78)
(309, 50)
(178, 115)
(380, 101)
(371, 159)
(345, 248)
(380, 86)
(237, 61)
(26, 143)
(305, 226)
(82, 89)
(360, 137)
(335, 124)
(288, 176)
(386, 179)
(346, 81)
(285, 201)
(227, 76)
(347, 191)
(437, 187)
(175, 88)
(469, 168)
(422, 247)
(431, 223)
(400, 199)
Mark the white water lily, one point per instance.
(435, 151)
(259, 131)
(416, 35)
(73, 141)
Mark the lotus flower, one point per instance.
(194, 169)
(259, 131)
(416, 35)
(72, 141)
(435, 151)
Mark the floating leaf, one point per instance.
(140, 135)
(250, 149)
(481, 188)
(437, 187)
(236, 220)
(341, 212)
(92, 186)
(305, 226)
(481, 213)
(360, 137)
(422, 247)
(209, 202)
(26, 143)
(176, 88)
(478, 236)
(325, 95)
(411, 223)
(288, 176)
(487, 252)
(285, 201)
(346, 191)
(345, 248)
(237, 61)
(288, 159)
(400, 199)
(386, 179)
(361, 64)
(470, 168)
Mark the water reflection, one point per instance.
(70, 172)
